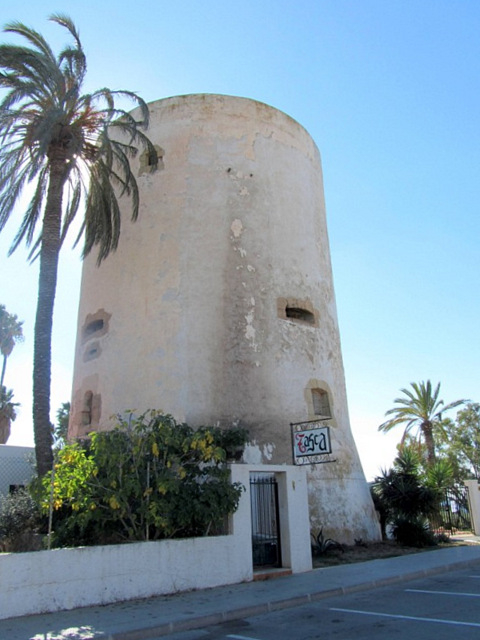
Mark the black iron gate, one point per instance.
(454, 511)
(265, 520)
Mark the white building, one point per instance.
(17, 465)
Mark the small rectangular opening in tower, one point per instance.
(297, 313)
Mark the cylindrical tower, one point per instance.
(218, 306)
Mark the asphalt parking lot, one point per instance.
(445, 606)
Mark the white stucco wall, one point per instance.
(232, 229)
(474, 502)
(69, 578)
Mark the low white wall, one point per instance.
(68, 578)
(474, 500)
(59, 579)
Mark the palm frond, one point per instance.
(32, 36)
(419, 407)
(71, 211)
(43, 106)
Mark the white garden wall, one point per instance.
(68, 578)
(474, 501)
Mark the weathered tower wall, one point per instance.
(218, 306)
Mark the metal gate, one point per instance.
(265, 520)
(454, 511)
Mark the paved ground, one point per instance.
(438, 607)
(154, 617)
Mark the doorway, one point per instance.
(266, 543)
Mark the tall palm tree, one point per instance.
(74, 149)
(420, 408)
(11, 332)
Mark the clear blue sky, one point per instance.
(390, 92)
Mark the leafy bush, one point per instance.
(19, 521)
(405, 501)
(413, 532)
(148, 478)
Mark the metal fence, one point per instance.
(453, 512)
(16, 467)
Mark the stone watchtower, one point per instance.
(218, 306)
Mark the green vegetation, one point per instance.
(11, 332)
(7, 413)
(148, 478)
(458, 442)
(405, 500)
(426, 480)
(422, 409)
(19, 521)
(65, 145)
(60, 434)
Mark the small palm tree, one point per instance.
(7, 413)
(11, 332)
(420, 408)
(74, 149)
(404, 501)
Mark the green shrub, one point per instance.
(19, 522)
(148, 478)
(405, 501)
(413, 532)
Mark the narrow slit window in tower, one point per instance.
(321, 403)
(87, 409)
(297, 313)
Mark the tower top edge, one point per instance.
(212, 102)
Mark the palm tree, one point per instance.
(7, 413)
(419, 408)
(11, 332)
(74, 150)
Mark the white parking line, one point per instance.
(458, 623)
(242, 637)
(445, 593)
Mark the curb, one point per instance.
(212, 619)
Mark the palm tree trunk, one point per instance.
(47, 284)
(4, 366)
(427, 431)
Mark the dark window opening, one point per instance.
(93, 327)
(92, 351)
(321, 403)
(151, 160)
(297, 313)
(87, 409)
